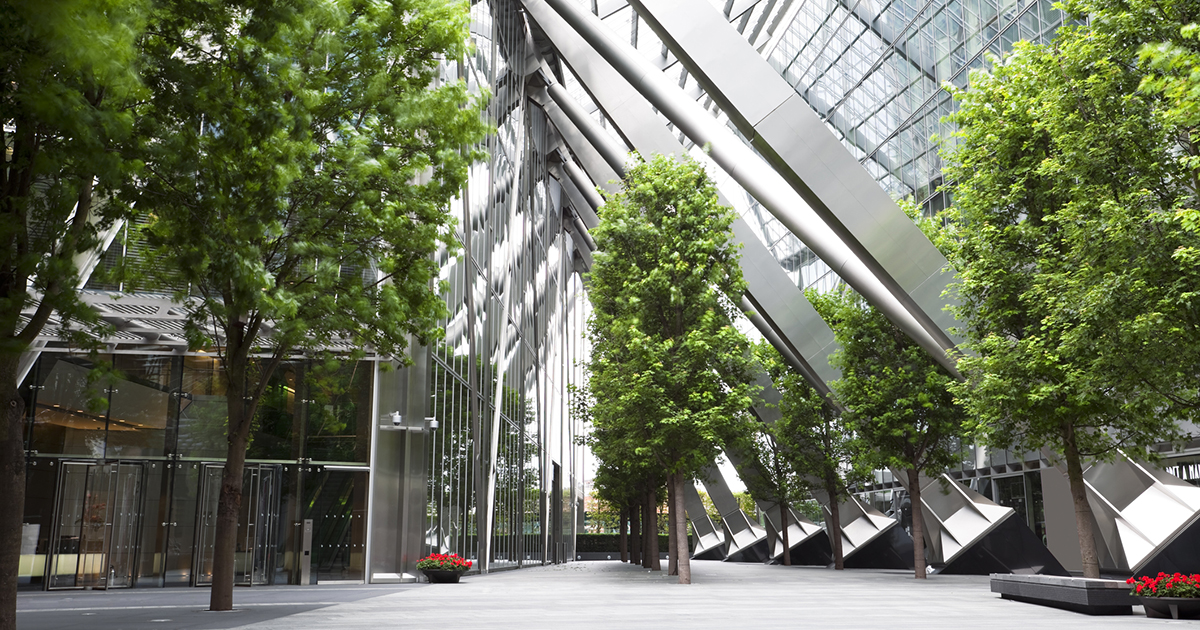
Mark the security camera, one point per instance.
(397, 419)
(432, 423)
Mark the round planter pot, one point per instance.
(1171, 607)
(437, 576)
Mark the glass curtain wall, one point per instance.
(499, 380)
(123, 481)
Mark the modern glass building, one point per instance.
(812, 115)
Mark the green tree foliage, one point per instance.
(817, 446)
(894, 395)
(670, 374)
(299, 161)
(1069, 234)
(66, 86)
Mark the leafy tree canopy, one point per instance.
(670, 375)
(669, 371)
(1074, 170)
(894, 396)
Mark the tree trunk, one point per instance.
(655, 563)
(623, 535)
(1083, 510)
(635, 534)
(684, 561)
(12, 488)
(783, 533)
(230, 502)
(918, 524)
(833, 527)
(672, 532)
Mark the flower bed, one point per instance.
(1177, 585)
(1175, 596)
(444, 562)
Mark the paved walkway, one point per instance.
(583, 596)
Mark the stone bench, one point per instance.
(1083, 595)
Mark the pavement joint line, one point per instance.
(38, 610)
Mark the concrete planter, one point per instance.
(437, 576)
(1171, 607)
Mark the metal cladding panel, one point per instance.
(815, 550)
(960, 522)
(1181, 554)
(891, 548)
(744, 541)
(872, 539)
(801, 532)
(795, 140)
(745, 95)
(1144, 514)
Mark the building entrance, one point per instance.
(96, 525)
(257, 524)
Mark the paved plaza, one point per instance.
(582, 596)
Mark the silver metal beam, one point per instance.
(744, 165)
(790, 318)
(766, 109)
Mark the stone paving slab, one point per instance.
(585, 596)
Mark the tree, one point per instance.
(299, 165)
(670, 374)
(818, 447)
(1066, 232)
(67, 82)
(771, 479)
(894, 395)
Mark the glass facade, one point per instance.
(127, 448)
(125, 469)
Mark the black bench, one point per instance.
(1083, 595)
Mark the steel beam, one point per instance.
(780, 124)
(748, 168)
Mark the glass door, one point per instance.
(98, 517)
(258, 521)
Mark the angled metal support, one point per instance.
(780, 124)
(792, 319)
(709, 545)
(870, 538)
(592, 160)
(968, 534)
(86, 263)
(807, 540)
(745, 540)
(1147, 518)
